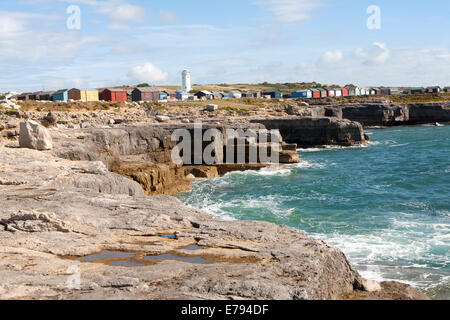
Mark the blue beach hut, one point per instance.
(61, 95)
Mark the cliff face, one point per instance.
(142, 153)
(397, 114)
(311, 132)
(55, 211)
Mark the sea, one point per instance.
(385, 205)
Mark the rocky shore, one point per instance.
(89, 216)
(56, 211)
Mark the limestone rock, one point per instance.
(34, 136)
(371, 285)
(50, 119)
(211, 107)
(33, 221)
(162, 118)
(312, 132)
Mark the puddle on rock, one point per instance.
(194, 247)
(167, 236)
(133, 259)
(163, 257)
(106, 255)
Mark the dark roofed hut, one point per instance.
(145, 94)
(36, 95)
(24, 96)
(435, 89)
(46, 96)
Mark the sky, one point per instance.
(54, 44)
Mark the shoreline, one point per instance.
(234, 205)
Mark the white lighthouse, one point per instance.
(186, 81)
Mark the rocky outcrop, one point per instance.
(422, 113)
(143, 153)
(397, 114)
(34, 136)
(47, 222)
(311, 132)
(155, 178)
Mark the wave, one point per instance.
(333, 147)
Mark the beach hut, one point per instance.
(35, 95)
(345, 92)
(274, 94)
(378, 91)
(145, 94)
(251, 94)
(110, 94)
(316, 93)
(83, 95)
(351, 91)
(338, 92)
(204, 95)
(302, 94)
(61, 95)
(446, 89)
(235, 94)
(46, 96)
(330, 92)
(385, 91)
(217, 95)
(24, 96)
(323, 93)
(416, 91)
(435, 89)
(180, 95)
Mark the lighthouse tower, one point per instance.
(186, 81)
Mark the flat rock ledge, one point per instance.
(54, 210)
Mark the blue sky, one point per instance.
(246, 41)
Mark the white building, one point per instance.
(186, 81)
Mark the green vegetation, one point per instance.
(429, 97)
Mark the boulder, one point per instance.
(371, 285)
(211, 107)
(11, 124)
(51, 119)
(34, 136)
(162, 118)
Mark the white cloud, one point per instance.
(120, 12)
(147, 73)
(332, 56)
(125, 14)
(377, 53)
(18, 35)
(290, 11)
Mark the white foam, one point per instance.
(332, 147)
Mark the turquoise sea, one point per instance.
(386, 205)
